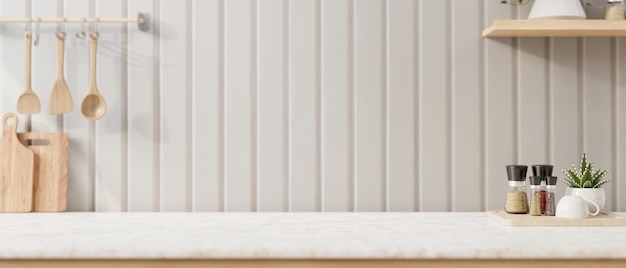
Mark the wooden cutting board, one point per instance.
(16, 169)
(51, 169)
(603, 219)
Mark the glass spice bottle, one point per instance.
(535, 195)
(542, 194)
(614, 10)
(550, 195)
(516, 199)
(543, 171)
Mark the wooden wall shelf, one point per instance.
(556, 28)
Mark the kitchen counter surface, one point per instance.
(294, 236)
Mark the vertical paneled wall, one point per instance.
(318, 105)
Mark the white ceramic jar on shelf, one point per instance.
(557, 9)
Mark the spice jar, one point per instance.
(516, 200)
(543, 171)
(535, 195)
(614, 10)
(550, 196)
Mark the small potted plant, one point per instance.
(586, 182)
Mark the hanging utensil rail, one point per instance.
(141, 20)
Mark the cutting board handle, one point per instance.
(9, 125)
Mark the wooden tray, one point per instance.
(602, 219)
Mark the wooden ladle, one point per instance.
(93, 106)
(61, 99)
(28, 102)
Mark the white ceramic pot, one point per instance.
(557, 9)
(596, 195)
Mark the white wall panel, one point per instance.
(272, 105)
(467, 88)
(620, 128)
(370, 99)
(337, 103)
(434, 106)
(207, 97)
(401, 106)
(111, 130)
(318, 105)
(597, 83)
(532, 100)
(81, 186)
(173, 104)
(500, 135)
(304, 105)
(240, 102)
(565, 106)
(143, 172)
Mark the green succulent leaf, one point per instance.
(587, 177)
(600, 184)
(597, 176)
(583, 163)
(573, 177)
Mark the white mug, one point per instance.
(575, 207)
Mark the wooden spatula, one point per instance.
(28, 103)
(17, 164)
(61, 99)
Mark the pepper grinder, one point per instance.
(516, 199)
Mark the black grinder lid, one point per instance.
(551, 180)
(535, 180)
(516, 172)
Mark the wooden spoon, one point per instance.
(93, 106)
(28, 102)
(61, 99)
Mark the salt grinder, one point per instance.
(516, 200)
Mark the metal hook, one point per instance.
(61, 32)
(37, 28)
(81, 34)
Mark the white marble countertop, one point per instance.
(295, 235)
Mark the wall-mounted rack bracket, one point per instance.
(144, 26)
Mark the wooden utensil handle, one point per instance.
(60, 54)
(93, 45)
(29, 43)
